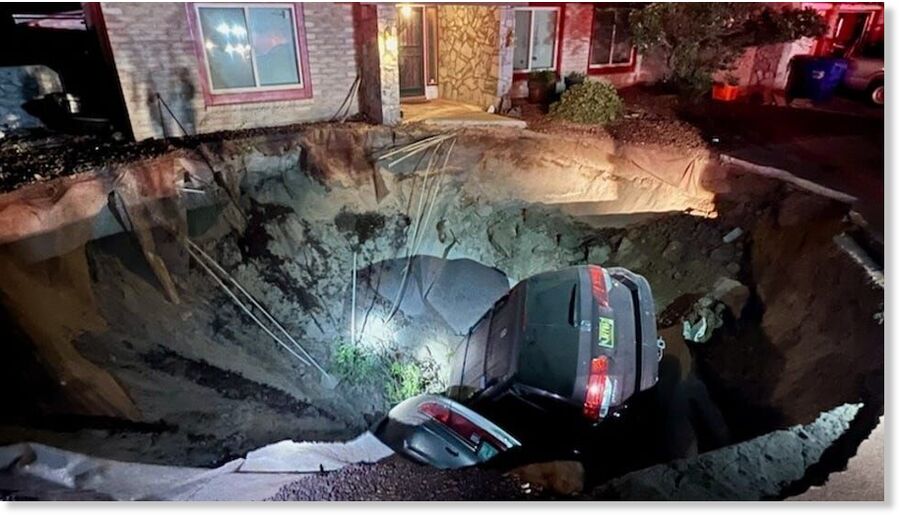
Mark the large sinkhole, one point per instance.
(102, 360)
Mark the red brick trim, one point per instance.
(609, 69)
(216, 99)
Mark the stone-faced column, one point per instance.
(389, 54)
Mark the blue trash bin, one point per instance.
(815, 78)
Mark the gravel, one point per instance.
(397, 479)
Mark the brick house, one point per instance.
(237, 65)
(233, 66)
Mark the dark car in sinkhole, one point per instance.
(581, 339)
(578, 343)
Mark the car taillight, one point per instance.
(459, 424)
(595, 393)
(439, 412)
(598, 286)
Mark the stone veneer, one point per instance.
(469, 54)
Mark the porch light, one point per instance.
(406, 10)
(390, 43)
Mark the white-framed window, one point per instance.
(611, 42)
(536, 32)
(250, 47)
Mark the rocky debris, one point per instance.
(673, 251)
(732, 293)
(649, 129)
(705, 317)
(398, 479)
(749, 471)
(708, 313)
(732, 236)
(599, 254)
(561, 477)
(39, 155)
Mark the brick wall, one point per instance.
(507, 30)
(154, 52)
(575, 53)
(576, 43)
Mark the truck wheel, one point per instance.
(876, 92)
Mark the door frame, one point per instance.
(425, 43)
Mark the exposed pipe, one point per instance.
(309, 359)
(243, 306)
(353, 305)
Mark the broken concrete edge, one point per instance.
(788, 177)
(726, 474)
(862, 480)
(143, 481)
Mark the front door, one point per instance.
(412, 52)
(849, 30)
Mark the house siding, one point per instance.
(154, 52)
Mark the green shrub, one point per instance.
(592, 102)
(353, 363)
(699, 39)
(397, 379)
(406, 380)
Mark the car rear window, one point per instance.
(548, 359)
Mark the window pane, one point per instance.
(523, 32)
(622, 44)
(274, 46)
(601, 39)
(227, 48)
(544, 39)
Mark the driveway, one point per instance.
(842, 151)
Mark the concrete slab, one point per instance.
(862, 481)
(447, 113)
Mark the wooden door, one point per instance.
(412, 52)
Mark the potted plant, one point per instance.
(574, 78)
(540, 85)
(726, 91)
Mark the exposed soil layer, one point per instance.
(38, 155)
(288, 213)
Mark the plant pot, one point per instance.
(538, 91)
(573, 82)
(725, 92)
